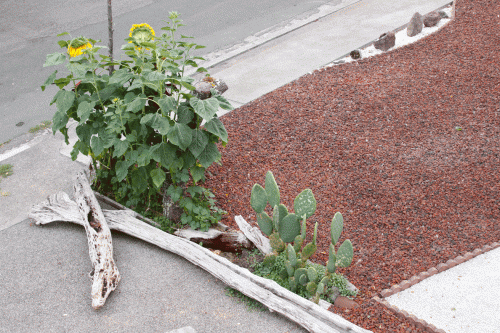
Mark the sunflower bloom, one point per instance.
(142, 33)
(77, 45)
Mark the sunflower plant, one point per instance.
(145, 130)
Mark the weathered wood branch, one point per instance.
(305, 313)
(86, 212)
(105, 273)
(227, 241)
(254, 235)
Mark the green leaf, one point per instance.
(224, 103)
(187, 85)
(164, 153)
(216, 127)
(139, 180)
(205, 108)
(305, 203)
(84, 110)
(185, 114)
(59, 121)
(49, 80)
(167, 104)
(144, 156)
(121, 169)
(181, 135)
(209, 155)
(258, 198)
(198, 173)
(97, 145)
(158, 177)
(120, 76)
(62, 34)
(65, 100)
(54, 59)
(199, 142)
(137, 104)
(120, 147)
(62, 82)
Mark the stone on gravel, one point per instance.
(443, 14)
(431, 19)
(415, 26)
(385, 41)
(355, 54)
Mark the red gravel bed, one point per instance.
(378, 140)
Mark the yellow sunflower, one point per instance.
(77, 45)
(142, 33)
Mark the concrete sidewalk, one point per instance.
(44, 285)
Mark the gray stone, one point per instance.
(355, 54)
(385, 41)
(431, 19)
(203, 87)
(443, 14)
(415, 26)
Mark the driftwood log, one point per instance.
(226, 241)
(216, 239)
(305, 313)
(87, 212)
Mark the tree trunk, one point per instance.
(307, 314)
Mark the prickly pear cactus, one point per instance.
(284, 227)
(304, 203)
(272, 190)
(258, 198)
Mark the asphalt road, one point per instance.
(28, 32)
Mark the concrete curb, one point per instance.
(405, 284)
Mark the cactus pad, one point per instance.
(312, 274)
(276, 242)
(272, 190)
(305, 203)
(308, 251)
(312, 287)
(345, 254)
(270, 259)
(292, 256)
(258, 198)
(283, 211)
(289, 268)
(332, 259)
(289, 228)
(265, 223)
(336, 227)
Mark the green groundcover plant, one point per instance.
(143, 127)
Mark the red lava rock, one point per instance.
(377, 141)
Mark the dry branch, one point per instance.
(86, 212)
(305, 313)
(227, 241)
(254, 235)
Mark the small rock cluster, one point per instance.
(415, 26)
